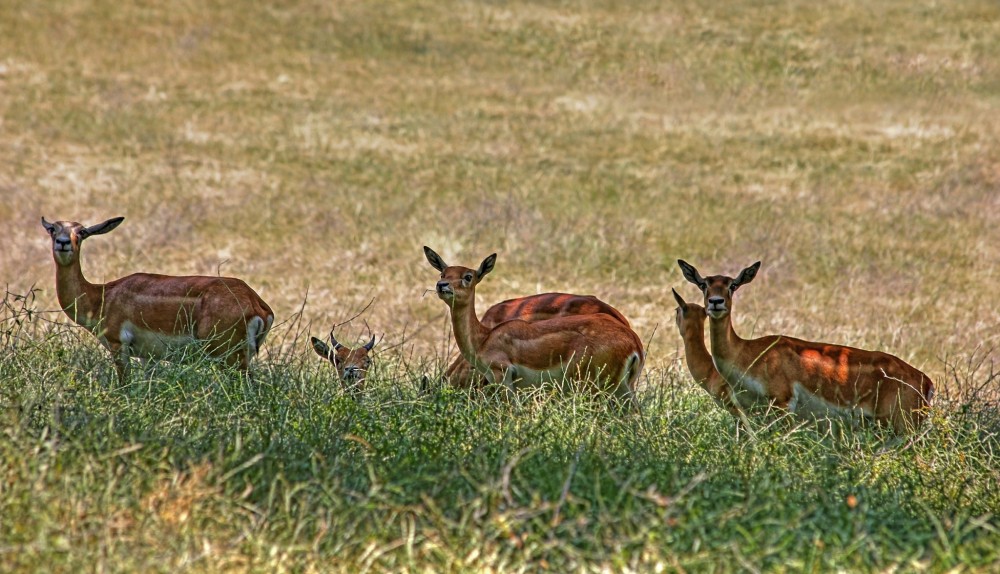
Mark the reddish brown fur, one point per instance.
(532, 308)
(214, 310)
(880, 385)
(597, 349)
(549, 305)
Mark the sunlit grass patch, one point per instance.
(192, 465)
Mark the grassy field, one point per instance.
(312, 148)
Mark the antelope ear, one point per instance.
(692, 275)
(677, 297)
(370, 344)
(100, 228)
(434, 259)
(486, 266)
(320, 347)
(50, 227)
(745, 276)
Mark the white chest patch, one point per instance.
(142, 342)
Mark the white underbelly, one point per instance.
(807, 404)
(143, 342)
(524, 378)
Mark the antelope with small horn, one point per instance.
(351, 364)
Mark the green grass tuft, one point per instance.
(190, 465)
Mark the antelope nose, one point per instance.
(441, 285)
(716, 301)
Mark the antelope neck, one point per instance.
(698, 357)
(469, 331)
(79, 298)
(725, 342)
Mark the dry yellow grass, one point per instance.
(314, 148)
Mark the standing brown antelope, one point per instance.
(690, 319)
(147, 315)
(351, 364)
(807, 378)
(531, 308)
(594, 348)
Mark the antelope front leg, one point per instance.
(460, 375)
(732, 405)
(742, 422)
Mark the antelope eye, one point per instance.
(468, 277)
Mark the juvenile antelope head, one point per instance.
(457, 284)
(68, 235)
(718, 289)
(352, 364)
(689, 316)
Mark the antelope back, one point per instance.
(547, 306)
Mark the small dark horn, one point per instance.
(370, 344)
(333, 341)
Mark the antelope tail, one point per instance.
(257, 330)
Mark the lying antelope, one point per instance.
(690, 319)
(532, 308)
(807, 378)
(351, 364)
(148, 315)
(596, 348)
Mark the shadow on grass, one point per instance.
(190, 459)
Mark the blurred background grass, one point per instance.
(314, 147)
